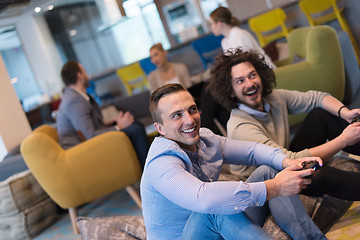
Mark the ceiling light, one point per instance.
(37, 9)
(73, 33)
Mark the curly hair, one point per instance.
(220, 79)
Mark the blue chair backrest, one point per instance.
(91, 90)
(208, 48)
(147, 65)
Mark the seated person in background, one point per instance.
(166, 72)
(211, 110)
(223, 23)
(79, 117)
(243, 83)
(181, 196)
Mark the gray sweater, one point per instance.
(272, 127)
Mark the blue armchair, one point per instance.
(208, 48)
(147, 65)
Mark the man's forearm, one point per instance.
(332, 105)
(327, 150)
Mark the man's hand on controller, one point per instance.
(299, 161)
(291, 181)
(356, 119)
(349, 115)
(314, 165)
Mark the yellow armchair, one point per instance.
(78, 175)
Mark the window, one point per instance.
(143, 16)
(18, 68)
(75, 30)
(183, 19)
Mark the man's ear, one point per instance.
(159, 128)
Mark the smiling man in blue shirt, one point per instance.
(181, 196)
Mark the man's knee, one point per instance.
(262, 173)
(317, 114)
(199, 223)
(135, 130)
(137, 126)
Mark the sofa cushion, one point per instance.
(119, 227)
(20, 192)
(25, 209)
(28, 223)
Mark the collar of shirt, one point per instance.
(203, 164)
(254, 112)
(194, 156)
(84, 95)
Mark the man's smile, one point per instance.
(190, 130)
(252, 92)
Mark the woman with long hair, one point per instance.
(222, 22)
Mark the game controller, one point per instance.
(356, 119)
(308, 165)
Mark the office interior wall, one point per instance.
(244, 9)
(14, 126)
(352, 14)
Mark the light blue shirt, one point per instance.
(255, 112)
(176, 182)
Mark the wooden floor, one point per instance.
(348, 226)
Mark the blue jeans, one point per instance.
(137, 135)
(217, 227)
(288, 212)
